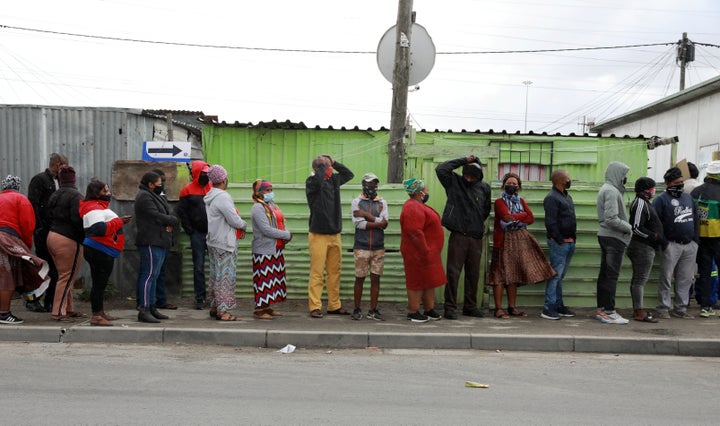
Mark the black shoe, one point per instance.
(199, 304)
(154, 312)
(564, 311)
(417, 317)
(432, 314)
(144, 315)
(450, 314)
(477, 313)
(34, 306)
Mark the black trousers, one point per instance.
(708, 251)
(463, 251)
(612, 252)
(101, 266)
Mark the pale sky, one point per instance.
(463, 91)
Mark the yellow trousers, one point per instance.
(325, 257)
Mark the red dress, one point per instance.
(421, 242)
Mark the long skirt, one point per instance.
(221, 285)
(519, 261)
(21, 270)
(269, 283)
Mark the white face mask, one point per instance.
(269, 197)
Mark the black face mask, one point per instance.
(158, 190)
(104, 198)
(203, 179)
(676, 190)
(624, 180)
(567, 184)
(370, 191)
(511, 189)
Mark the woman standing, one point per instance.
(270, 235)
(65, 242)
(421, 241)
(517, 258)
(225, 226)
(20, 270)
(104, 241)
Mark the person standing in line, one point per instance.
(20, 270)
(191, 210)
(225, 226)
(270, 234)
(466, 209)
(561, 227)
(613, 235)
(679, 244)
(693, 182)
(517, 257)
(707, 200)
(369, 214)
(647, 234)
(65, 242)
(41, 187)
(104, 241)
(421, 242)
(155, 226)
(322, 190)
(160, 290)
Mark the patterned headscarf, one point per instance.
(413, 185)
(11, 182)
(259, 186)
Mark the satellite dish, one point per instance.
(422, 54)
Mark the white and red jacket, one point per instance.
(103, 228)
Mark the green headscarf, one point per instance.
(413, 185)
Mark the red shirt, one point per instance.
(501, 209)
(17, 213)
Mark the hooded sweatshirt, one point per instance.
(612, 215)
(191, 207)
(223, 220)
(103, 228)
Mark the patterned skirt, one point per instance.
(221, 285)
(519, 261)
(269, 279)
(20, 270)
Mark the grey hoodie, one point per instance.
(223, 220)
(611, 209)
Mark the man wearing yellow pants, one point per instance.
(322, 189)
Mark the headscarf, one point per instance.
(413, 185)
(11, 182)
(258, 187)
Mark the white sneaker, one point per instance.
(615, 318)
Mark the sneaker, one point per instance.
(549, 315)
(663, 315)
(450, 314)
(432, 314)
(681, 314)
(564, 311)
(357, 314)
(417, 317)
(374, 314)
(602, 317)
(615, 318)
(477, 313)
(706, 312)
(34, 306)
(9, 318)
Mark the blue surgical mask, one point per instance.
(269, 196)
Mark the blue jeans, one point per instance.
(151, 261)
(560, 257)
(198, 245)
(160, 292)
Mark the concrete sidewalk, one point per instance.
(691, 337)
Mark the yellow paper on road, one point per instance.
(469, 384)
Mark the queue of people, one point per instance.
(67, 227)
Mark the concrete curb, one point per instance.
(356, 340)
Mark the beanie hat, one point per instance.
(643, 184)
(66, 175)
(11, 182)
(217, 174)
(672, 174)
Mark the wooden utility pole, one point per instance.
(401, 76)
(169, 120)
(683, 56)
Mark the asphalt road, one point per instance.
(97, 384)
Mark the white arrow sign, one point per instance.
(167, 151)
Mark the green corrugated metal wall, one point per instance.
(283, 156)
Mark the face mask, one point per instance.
(426, 198)
(158, 190)
(203, 180)
(567, 184)
(646, 194)
(624, 180)
(370, 192)
(269, 197)
(104, 198)
(328, 172)
(511, 189)
(675, 190)
(162, 185)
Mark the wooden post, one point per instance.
(401, 76)
(170, 136)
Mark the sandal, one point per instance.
(63, 318)
(76, 315)
(339, 311)
(316, 313)
(261, 314)
(500, 314)
(273, 312)
(515, 312)
(226, 316)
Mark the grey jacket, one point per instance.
(265, 235)
(612, 215)
(223, 220)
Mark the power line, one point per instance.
(271, 49)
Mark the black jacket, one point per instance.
(152, 217)
(560, 221)
(63, 209)
(323, 198)
(645, 222)
(468, 205)
(41, 187)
